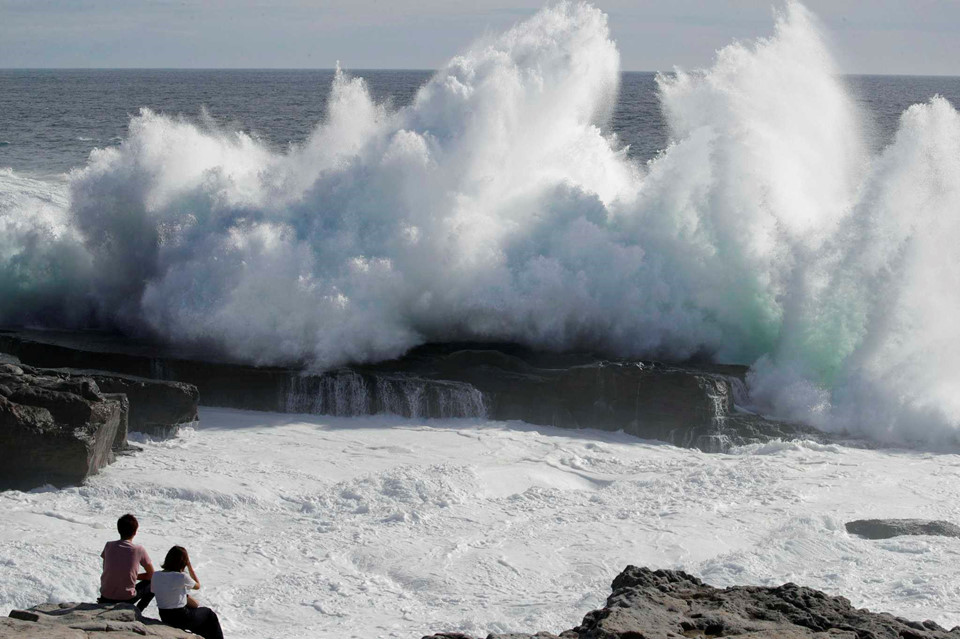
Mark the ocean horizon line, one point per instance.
(410, 70)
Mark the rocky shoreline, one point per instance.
(67, 399)
(644, 604)
(693, 405)
(667, 604)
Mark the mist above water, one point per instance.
(497, 206)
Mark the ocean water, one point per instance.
(51, 119)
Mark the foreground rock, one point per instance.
(648, 604)
(56, 430)
(690, 405)
(887, 528)
(85, 621)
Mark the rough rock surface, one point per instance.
(157, 408)
(85, 621)
(690, 406)
(60, 429)
(657, 604)
(887, 528)
(687, 405)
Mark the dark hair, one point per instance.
(176, 559)
(127, 526)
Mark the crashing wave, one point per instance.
(497, 206)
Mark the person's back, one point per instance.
(121, 580)
(121, 565)
(170, 589)
(176, 607)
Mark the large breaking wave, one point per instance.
(497, 207)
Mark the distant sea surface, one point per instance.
(51, 119)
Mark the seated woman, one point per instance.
(177, 609)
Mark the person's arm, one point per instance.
(193, 575)
(147, 573)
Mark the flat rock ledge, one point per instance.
(657, 604)
(690, 404)
(85, 621)
(887, 528)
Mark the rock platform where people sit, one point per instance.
(85, 621)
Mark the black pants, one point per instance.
(141, 600)
(201, 621)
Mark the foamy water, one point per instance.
(497, 206)
(325, 527)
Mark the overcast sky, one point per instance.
(870, 36)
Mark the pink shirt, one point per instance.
(121, 563)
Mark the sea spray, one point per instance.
(497, 206)
(879, 333)
(765, 161)
(384, 229)
(44, 266)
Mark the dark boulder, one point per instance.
(656, 604)
(55, 430)
(887, 528)
(157, 407)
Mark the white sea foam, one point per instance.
(497, 207)
(306, 526)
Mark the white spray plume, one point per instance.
(497, 207)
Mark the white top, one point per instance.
(171, 588)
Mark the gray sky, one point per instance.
(870, 36)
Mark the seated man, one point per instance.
(121, 581)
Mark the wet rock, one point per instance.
(85, 621)
(686, 405)
(55, 430)
(657, 604)
(887, 528)
(6, 358)
(157, 407)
